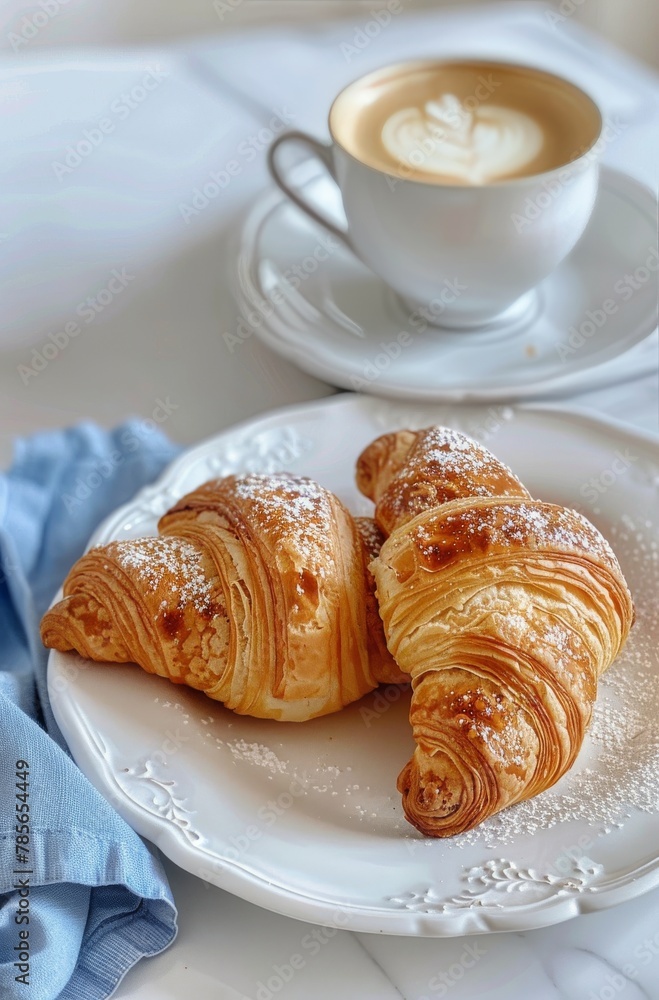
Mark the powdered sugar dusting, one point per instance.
(455, 453)
(293, 505)
(370, 534)
(533, 524)
(559, 636)
(257, 754)
(482, 718)
(452, 454)
(617, 771)
(443, 465)
(172, 561)
(455, 465)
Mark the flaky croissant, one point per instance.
(256, 591)
(503, 610)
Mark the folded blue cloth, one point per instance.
(95, 894)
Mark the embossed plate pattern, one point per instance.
(305, 819)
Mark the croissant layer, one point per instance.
(256, 591)
(503, 610)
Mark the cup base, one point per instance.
(514, 316)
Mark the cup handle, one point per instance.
(321, 151)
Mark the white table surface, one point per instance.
(120, 208)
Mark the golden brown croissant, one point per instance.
(256, 592)
(503, 609)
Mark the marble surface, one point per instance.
(127, 205)
(227, 948)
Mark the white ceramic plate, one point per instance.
(306, 819)
(312, 301)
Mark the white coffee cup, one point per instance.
(479, 250)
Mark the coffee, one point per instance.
(464, 122)
(436, 162)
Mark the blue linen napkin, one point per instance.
(95, 893)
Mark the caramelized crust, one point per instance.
(503, 610)
(410, 471)
(256, 592)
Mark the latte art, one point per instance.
(463, 122)
(473, 147)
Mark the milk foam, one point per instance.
(472, 147)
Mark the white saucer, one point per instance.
(331, 317)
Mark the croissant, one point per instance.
(256, 591)
(504, 610)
